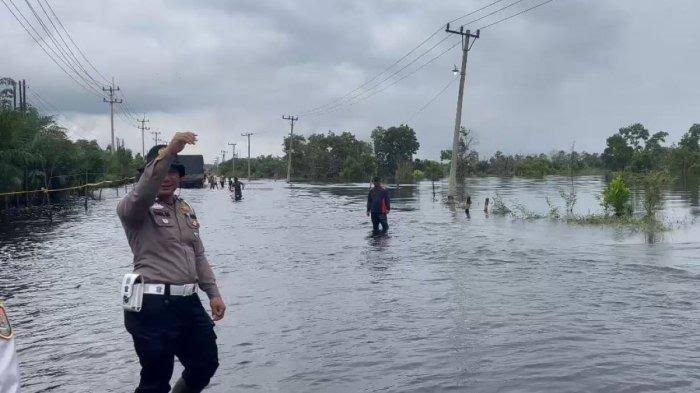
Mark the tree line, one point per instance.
(342, 157)
(37, 153)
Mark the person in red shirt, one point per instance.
(378, 206)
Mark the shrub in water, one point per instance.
(616, 196)
(653, 183)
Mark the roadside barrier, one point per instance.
(46, 192)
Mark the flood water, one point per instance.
(443, 303)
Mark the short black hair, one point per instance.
(376, 179)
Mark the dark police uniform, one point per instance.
(167, 250)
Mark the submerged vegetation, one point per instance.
(36, 153)
(615, 200)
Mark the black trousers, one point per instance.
(377, 219)
(169, 326)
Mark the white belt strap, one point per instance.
(175, 290)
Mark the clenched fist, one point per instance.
(180, 139)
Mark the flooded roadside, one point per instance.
(316, 304)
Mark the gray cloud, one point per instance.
(573, 70)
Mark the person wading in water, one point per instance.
(378, 206)
(237, 189)
(163, 233)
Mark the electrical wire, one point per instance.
(362, 95)
(397, 71)
(74, 44)
(394, 82)
(516, 14)
(45, 50)
(424, 41)
(61, 53)
(42, 99)
(435, 97)
(66, 46)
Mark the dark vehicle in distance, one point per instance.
(194, 171)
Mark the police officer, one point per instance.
(163, 233)
(9, 366)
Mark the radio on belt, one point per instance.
(132, 292)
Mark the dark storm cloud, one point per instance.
(570, 71)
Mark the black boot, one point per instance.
(181, 387)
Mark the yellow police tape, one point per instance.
(46, 190)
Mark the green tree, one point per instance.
(618, 154)
(392, 147)
(433, 171)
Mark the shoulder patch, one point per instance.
(185, 208)
(5, 326)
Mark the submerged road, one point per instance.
(443, 303)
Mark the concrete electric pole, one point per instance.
(143, 129)
(111, 89)
(233, 158)
(155, 137)
(466, 46)
(291, 119)
(248, 134)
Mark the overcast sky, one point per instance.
(569, 71)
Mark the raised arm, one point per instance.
(135, 204)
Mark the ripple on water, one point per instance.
(317, 305)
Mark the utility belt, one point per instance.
(133, 289)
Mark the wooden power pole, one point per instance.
(291, 119)
(248, 134)
(468, 40)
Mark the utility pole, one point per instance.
(248, 134)
(143, 128)
(111, 89)
(291, 119)
(223, 156)
(466, 46)
(233, 158)
(155, 137)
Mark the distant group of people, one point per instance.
(234, 185)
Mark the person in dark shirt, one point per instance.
(237, 189)
(378, 206)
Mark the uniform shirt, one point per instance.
(378, 200)
(9, 366)
(164, 239)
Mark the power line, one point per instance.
(43, 48)
(360, 99)
(42, 99)
(70, 51)
(74, 44)
(435, 97)
(397, 71)
(516, 14)
(361, 96)
(424, 41)
(61, 53)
